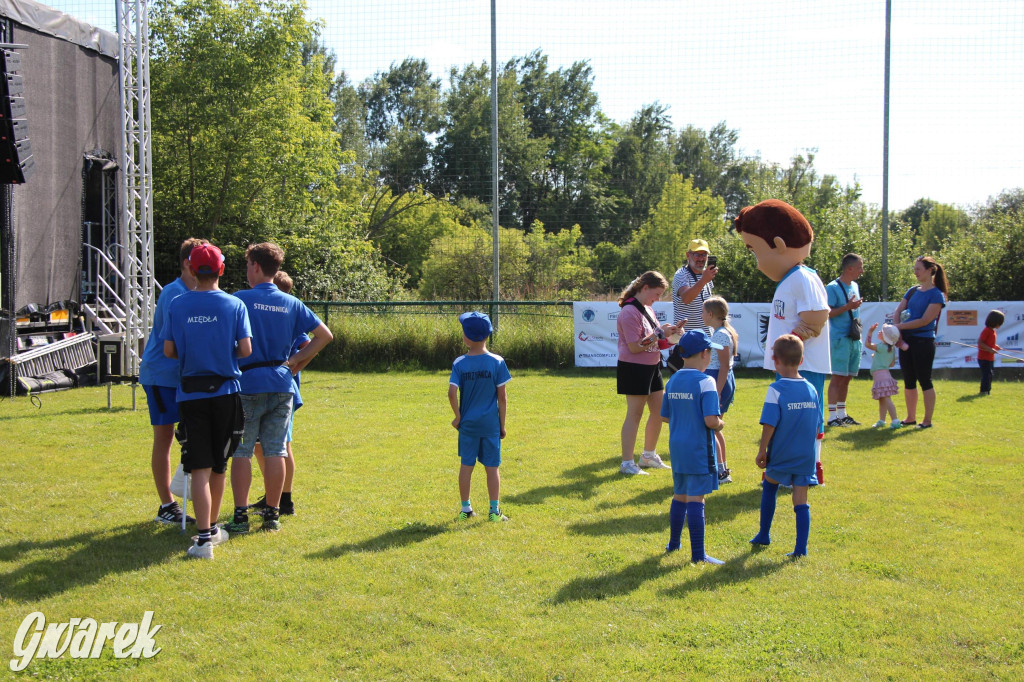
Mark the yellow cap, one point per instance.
(698, 245)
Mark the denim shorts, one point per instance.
(163, 404)
(486, 449)
(267, 416)
(845, 356)
(694, 484)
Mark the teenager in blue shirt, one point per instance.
(277, 320)
(158, 375)
(791, 421)
(207, 331)
(476, 392)
(691, 408)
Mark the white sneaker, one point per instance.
(652, 461)
(632, 469)
(218, 538)
(200, 551)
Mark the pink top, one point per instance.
(632, 327)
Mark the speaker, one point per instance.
(16, 161)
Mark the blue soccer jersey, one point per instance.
(690, 395)
(156, 369)
(205, 327)
(277, 320)
(478, 378)
(792, 407)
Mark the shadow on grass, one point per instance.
(625, 581)
(69, 412)
(582, 480)
(871, 436)
(399, 537)
(734, 571)
(970, 398)
(86, 558)
(719, 509)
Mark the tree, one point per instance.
(942, 222)
(640, 165)
(988, 266)
(714, 163)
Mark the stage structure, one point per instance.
(76, 231)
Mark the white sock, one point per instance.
(648, 453)
(831, 411)
(840, 410)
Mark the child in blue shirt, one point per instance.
(791, 420)
(691, 408)
(476, 392)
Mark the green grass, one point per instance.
(913, 573)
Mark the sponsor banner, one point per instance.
(956, 340)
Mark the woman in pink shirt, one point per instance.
(639, 367)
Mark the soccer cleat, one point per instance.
(497, 517)
(725, 476)
(270, 525)
(850, 421)
(463, 515)
(197, 551)
(710, 560)
(630, 468)
(669, 549)
(171, 514)
(238, 526)
(794, 555)
(260, 507)
(836, 422)
(879, 424)
(288, 509)
(652, 461)
(218, 538)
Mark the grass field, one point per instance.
(914, 567)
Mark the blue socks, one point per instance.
(695, 521)
(803, 528)
(768, 495)
(676, 518)
(494, 506)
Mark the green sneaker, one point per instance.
(496, 517)
(238, 526)
(463, 515)
(271, 525)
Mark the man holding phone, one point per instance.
(693, 284)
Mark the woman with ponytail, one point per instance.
(917, 317)
(638, 373)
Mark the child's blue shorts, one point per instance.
(486, 449)
(163, 404)
(785, 478)
(694, 484)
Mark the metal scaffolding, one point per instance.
(136, 239)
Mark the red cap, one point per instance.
(206, 259)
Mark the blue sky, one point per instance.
(790, 76)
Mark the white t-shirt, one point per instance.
(799, 291)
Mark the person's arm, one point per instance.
(714, 422)
(688, 294)
(871, 334)
(301, 366)
(502, 405)
(170, 350)
(724, 356)
(930, 315)
(811, 323)
(453, 400)
(321, 337)
(244, 348)
(767, 430)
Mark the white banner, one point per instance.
(961, 322)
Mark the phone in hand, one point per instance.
(712, 261)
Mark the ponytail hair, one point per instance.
(651, 278)
(717, 306)
(938, 274)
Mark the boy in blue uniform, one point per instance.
(277, 320)
(158, 375)
(691, 408)
(791, 420)
(207, 331)
(476, 392)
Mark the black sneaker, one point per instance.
(838, 421)
(850, 421)
(260, 504)
(725, 476)
(171, 514)
(288, 509)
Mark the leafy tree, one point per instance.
(988, 266)
(640, 165)
(940, 224)
(714, 163)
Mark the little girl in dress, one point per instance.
(884, 386)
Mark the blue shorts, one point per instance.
(486, 449)
(728, 391)
(163, 404)
(845, 356)
(694, 484)
(267, 416)
(784, 478)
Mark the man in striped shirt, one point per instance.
(692, 285)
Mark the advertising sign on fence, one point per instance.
(956, 340)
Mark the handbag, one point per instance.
(856, 327)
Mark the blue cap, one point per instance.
(694, 342)
(476, 326)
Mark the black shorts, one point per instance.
(209, 431)
(636, 379)
(916, 362)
